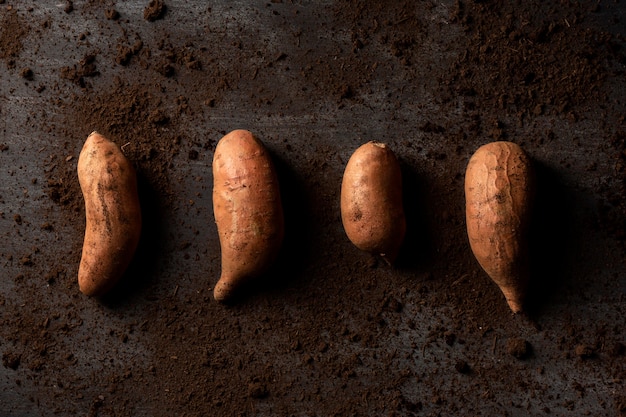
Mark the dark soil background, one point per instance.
(330, 331)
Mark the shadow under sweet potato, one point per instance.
(550, 238)
(417, 251)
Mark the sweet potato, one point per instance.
(498, 195)
(113, 216)
(372, 209)
(248, 210)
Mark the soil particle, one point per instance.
(124, 53)
(155, 10)
(518, 347)
(27, 73)
(111, 14)
(462, 367)
(584, 351)
(11, 360)
(69, 6)
(449, 338)
(257, 390)
(78, 73)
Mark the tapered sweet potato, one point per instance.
(372, 209)
(248, 210)
(498, 195)
(113, 216)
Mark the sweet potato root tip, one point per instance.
(515, 304)
(247, 208)
(223, 290)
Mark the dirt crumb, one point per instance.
(462, 367)
(111, 14)
(155, 10)
(11, 360)
(518, 347)
(584, 351)
(27, 73)
(257, 390)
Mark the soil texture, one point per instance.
(329, 330)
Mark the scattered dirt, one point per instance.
(330, 331)
(12, 30)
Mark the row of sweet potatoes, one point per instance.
(249, 213)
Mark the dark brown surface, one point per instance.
(330, 331)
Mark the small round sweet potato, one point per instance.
(247, 208)
(372, 209)
(498, 196)
(113, 215)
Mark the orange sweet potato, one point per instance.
(248, 210)
(113, 216)
(372, 209)
(498, 196)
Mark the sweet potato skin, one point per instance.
(499, 188)
(248, 210)
(113, 216)
(372, 210)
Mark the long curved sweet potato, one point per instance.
(498, 195)
(113, 215)
(247, 208)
